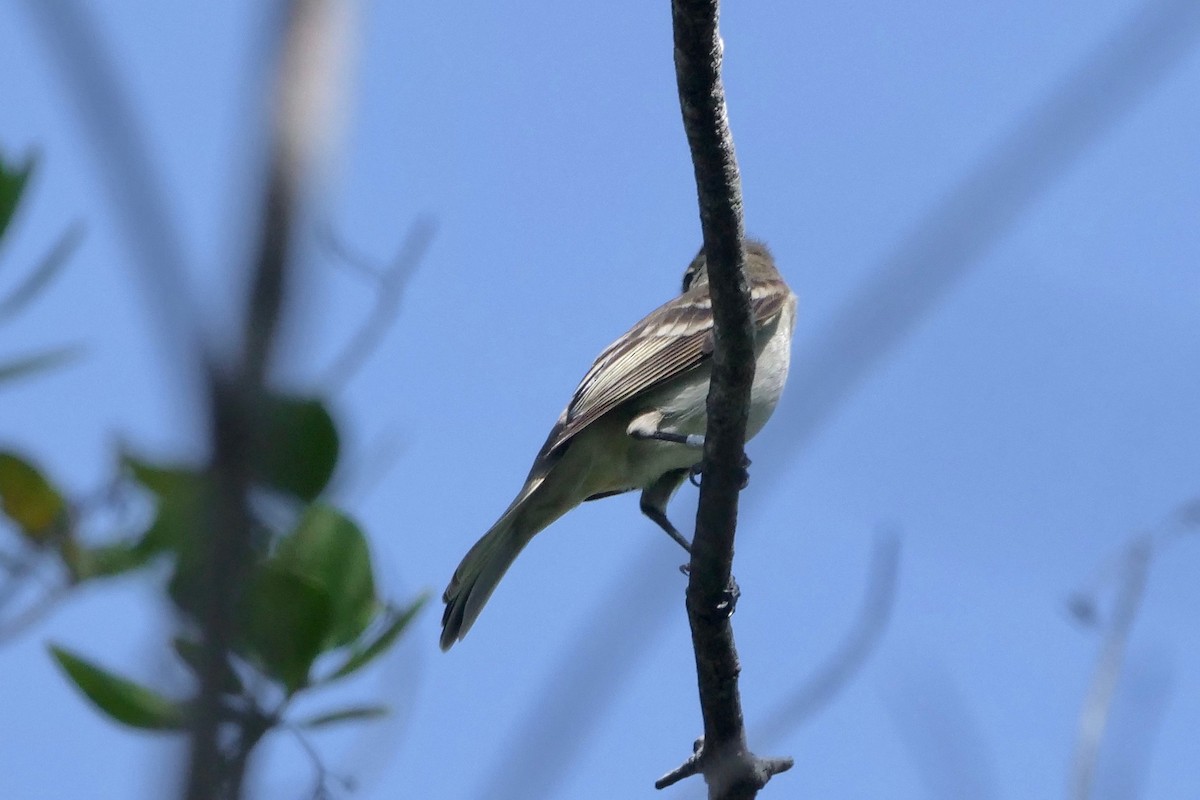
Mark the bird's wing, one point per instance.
(674, 338)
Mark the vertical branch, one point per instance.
(235, 395)
(308, 56)
(729, 768)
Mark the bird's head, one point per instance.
(759, 263)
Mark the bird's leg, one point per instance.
(654, 503)
(690, 439)
(696, 440)
(660, 519)
(646, 426)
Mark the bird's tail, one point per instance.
(479, 573)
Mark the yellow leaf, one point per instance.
(27, 498)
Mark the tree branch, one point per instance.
(729, 768)
(390, 286)
(307, 55)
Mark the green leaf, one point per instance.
(180, 495)
(299, 446)
(192, 654)
(285, 618)
(28, 498)
(329, 549)
(108, 560)
(366, 652)
(119, 698)
(352, 714)
(182, 499)
(39, 362)
(12, 185)
(158, 479)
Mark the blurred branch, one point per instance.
(1094, 717)
(138, 197)
(24, 366)
(43, 273)
(983, 205)
(307, 56)
(18, 568)
(938, 728)
(364, 474)
(343, 254)
(390, 288)
(33, 613)
(723, 757)
(1097, 707)
(827, 682)
(321, 774)
(947, 240)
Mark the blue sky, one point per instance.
(1040, 413)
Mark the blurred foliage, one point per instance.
(311, 593)
(28, 499)
(310, 613)
(301, 446)
(13, 180)
(12, 186)
(123, 700)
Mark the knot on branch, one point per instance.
(731, 773)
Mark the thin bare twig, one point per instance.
(33, 613)
(1135, 564)
(819, 689)
(321, 773)
(19, 566)
(344, 255)
(938, 728)
(1094, 717)
(45, 272)
(390, 288)
(365, 472)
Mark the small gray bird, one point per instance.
(637, 421)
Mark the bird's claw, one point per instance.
(729, 598)
(697, 470)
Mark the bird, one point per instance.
(636, 422)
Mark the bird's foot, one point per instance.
(697, 470)
(729, 597)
